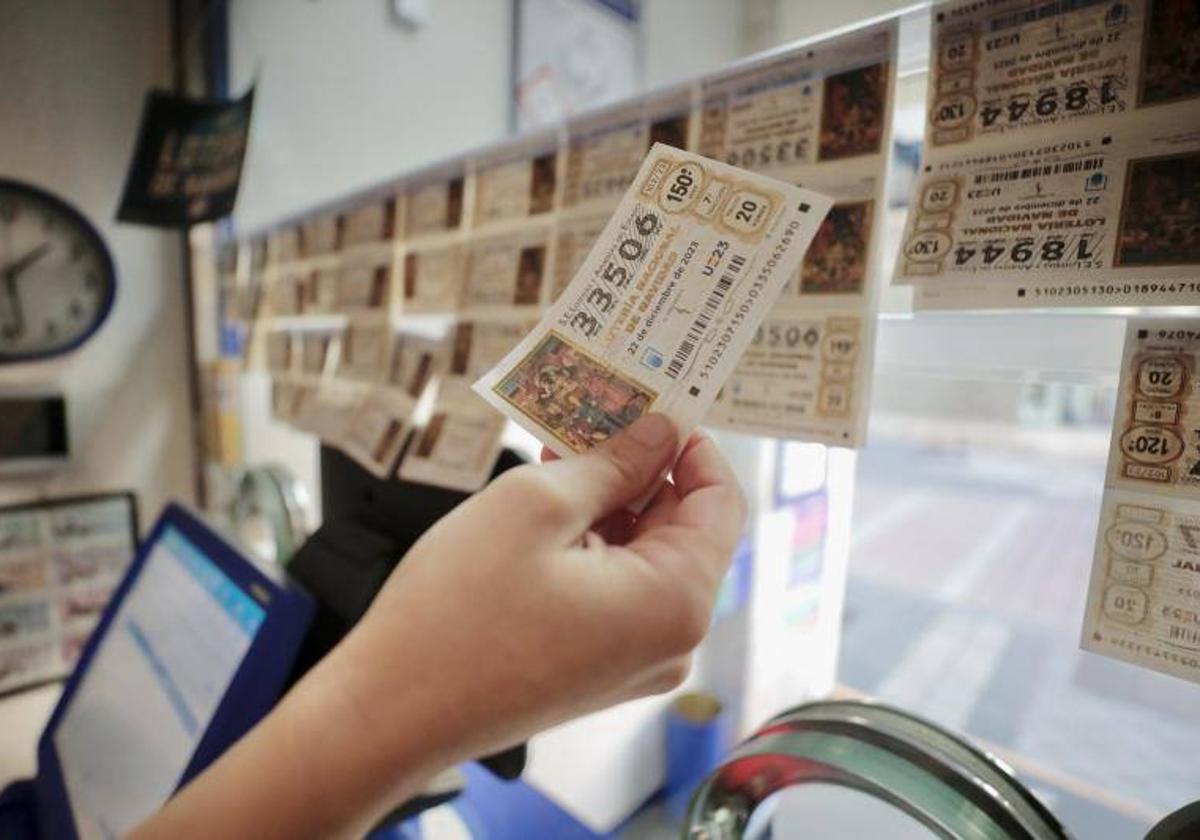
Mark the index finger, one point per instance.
(701, 531)
(708, 489)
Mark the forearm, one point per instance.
(317, 766)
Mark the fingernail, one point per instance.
(653, 431)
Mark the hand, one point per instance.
(541, 598)
(510, 615)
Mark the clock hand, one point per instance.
(17, 326)
(18, 266)
(11, 272)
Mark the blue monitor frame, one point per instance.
(253, 691)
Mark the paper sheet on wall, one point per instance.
(818, 119)
(1061, 152)
(459, 445)
(1143, 602)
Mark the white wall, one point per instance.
(682, 39)
(74, 74)
(347, 97)
(775, 22)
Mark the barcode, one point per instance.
(1040, 171)
(1046, 10)
(696, 332)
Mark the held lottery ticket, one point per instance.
(1143, 602)
(662, 308)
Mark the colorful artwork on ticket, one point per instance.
(853, 112)
(836, 261)
(1171, 61)
(572, 395)
(1160, 220)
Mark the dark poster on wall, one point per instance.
(187, 163)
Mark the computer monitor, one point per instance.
(194, 648)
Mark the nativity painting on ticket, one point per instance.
(574, 396)
(836, 261)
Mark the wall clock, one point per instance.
(57, 279)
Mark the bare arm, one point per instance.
(510, 615)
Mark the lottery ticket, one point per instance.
(800, 379)
(1093, 218)
(365, 347)
(515, 188)
(433, 279)
(363, 285)
(376, 433)
(662, 308)
(459, 445)
(1062, 140)
(285, 294)
(506, 272)
(573, 238)
(316, 356)
(1143, 602)
(1144, 598)
(328, 409)
(321, 292)
(1156, 434)
(414, 362)
(283, 246)
(807, 373)
(434, 207)
(374, 221)
(605, 150)
(827, 103)
(1000, 68)
(319, 235)
(477, 345)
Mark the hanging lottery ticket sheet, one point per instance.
(605, 150)
(459, 444)
(1062, 151)
(663, 306)
(818, 118)
(1143, 602)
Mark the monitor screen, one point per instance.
(152, 686)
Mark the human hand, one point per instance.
(542, 598)
(510, 615)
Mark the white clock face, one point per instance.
(56, 277)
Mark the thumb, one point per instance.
(619, 471)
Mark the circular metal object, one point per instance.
(944, 783)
